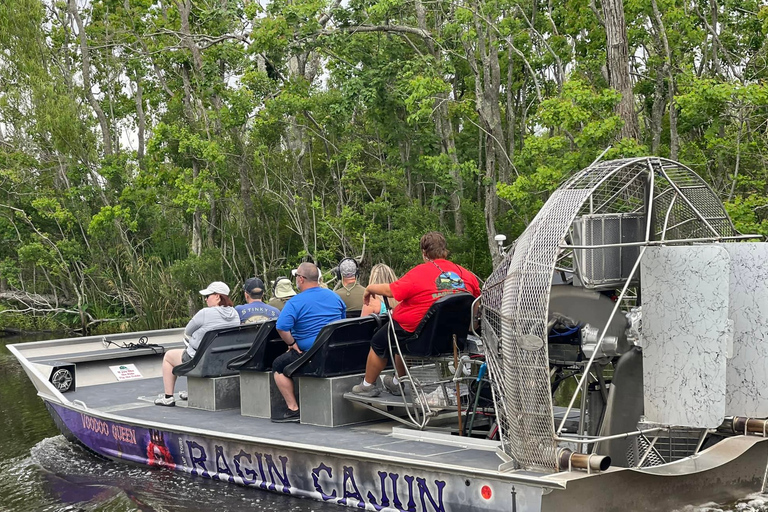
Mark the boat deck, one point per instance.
(132, 400)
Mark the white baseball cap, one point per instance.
(216, 287)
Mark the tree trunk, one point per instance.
(674, 142)
(141, 122)
(87, 86)
(483, 60)
(617, 51)
(444, 128)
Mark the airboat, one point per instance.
(627, 369)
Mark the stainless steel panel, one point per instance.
(322, 402)
(214, 394)
(610, 266)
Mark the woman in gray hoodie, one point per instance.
(220, 313)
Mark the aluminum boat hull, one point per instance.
(367, 466)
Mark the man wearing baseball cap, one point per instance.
(350, 291)
(254, 310)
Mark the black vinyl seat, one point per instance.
(447, 316)
(447, 319)
(354, 313)
(341, 348)
(216, 349)
(263, 351)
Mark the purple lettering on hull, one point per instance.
(316, 480)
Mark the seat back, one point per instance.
(341, 348)
(353, 313)
(265, 348)
(216, 349)
(449, 315)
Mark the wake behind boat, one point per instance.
(623, 282)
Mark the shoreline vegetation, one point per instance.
(149, 147)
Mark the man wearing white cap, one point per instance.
(220, 313)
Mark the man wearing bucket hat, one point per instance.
(218, 314)
(254, 310)
(282, 292)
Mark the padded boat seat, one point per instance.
(266, 346)
(216, 349)
(341, 348)
(447, 316)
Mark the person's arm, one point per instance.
(195, 323)
(373, 306)
(287, 337)
(376, 289)
(284, 324)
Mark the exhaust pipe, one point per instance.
(567, 460)
(743, 426)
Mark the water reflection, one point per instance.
(40, 470)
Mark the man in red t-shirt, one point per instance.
(415, 292)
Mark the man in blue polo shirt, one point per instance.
(299, 323)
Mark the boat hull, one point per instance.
(327, 477)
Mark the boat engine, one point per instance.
(577, 317)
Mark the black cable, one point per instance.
(143, 342)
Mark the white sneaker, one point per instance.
(162, 400)
(183, 395)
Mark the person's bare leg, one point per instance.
(374, 366)
(285, 385)
(171, 359)
(399, 366)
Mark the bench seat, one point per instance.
(341, 348)
(217, 349)
(322, 374)
(211, 383)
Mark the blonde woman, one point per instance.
(380, 274)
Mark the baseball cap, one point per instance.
(216, 287)
(253, 285)
(348, 268)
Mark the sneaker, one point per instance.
(390, 386)
(289, 417)
(168, 402)
(369, 391)
(183, 395)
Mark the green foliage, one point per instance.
(287, 131)
(749, 214)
